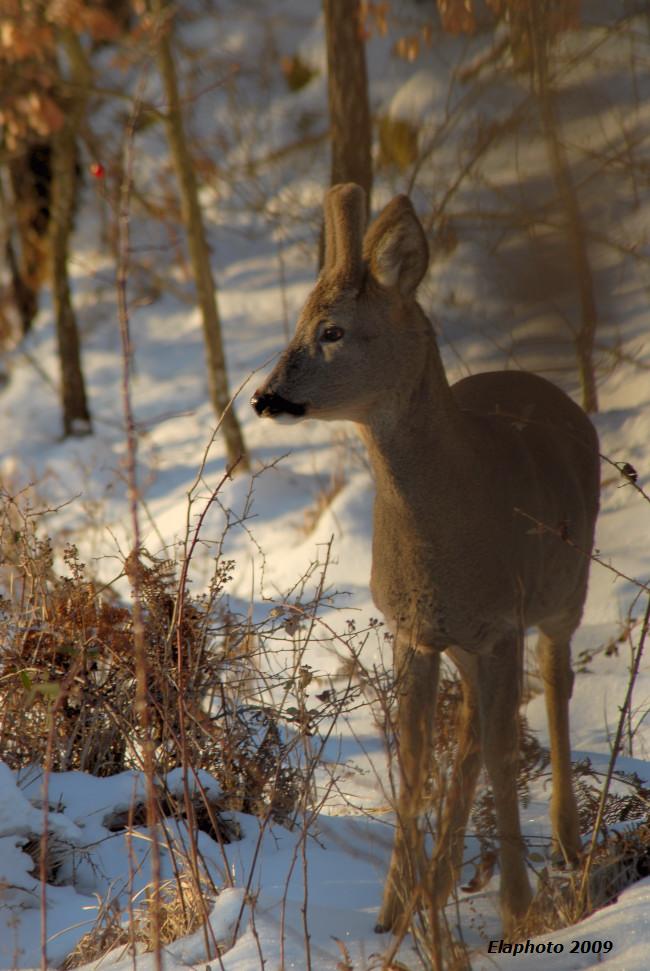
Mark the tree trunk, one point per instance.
(30, 176)
(198, 246)
(76, 416)
(567, 194)
(347, 92)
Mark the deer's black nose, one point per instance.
(259, 402)
(271, 404)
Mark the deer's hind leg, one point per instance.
(554, 660)
(499, 688)
(417, 685)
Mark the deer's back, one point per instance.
(555, 434)
(487, 551)
(542, 454)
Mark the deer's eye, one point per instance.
(331, 334)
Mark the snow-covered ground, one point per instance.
(493, 290)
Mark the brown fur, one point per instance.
(457, 565)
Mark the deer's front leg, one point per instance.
(459, 795)
(499, 696)
(417, 686)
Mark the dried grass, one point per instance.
(182, 911)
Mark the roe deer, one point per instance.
(456, 563)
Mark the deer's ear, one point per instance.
(345, 221)
(395, 247)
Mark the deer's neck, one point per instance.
(414, 439)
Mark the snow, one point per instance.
(626, 925)
(490, 298)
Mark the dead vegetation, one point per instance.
(67, 692)
(68, 677)
(69, 701)
(182, 911)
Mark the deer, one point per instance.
(486, 498)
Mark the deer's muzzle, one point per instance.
(269, 405)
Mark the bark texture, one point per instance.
(347, 89)
(198, 246)
(570, 205)
(76, 415)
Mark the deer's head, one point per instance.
(361, 333)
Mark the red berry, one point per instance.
(97, 170)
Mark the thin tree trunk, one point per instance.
(30, 177)
(198, 246)
(76, 416)
(567, 194)
(347, 93)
